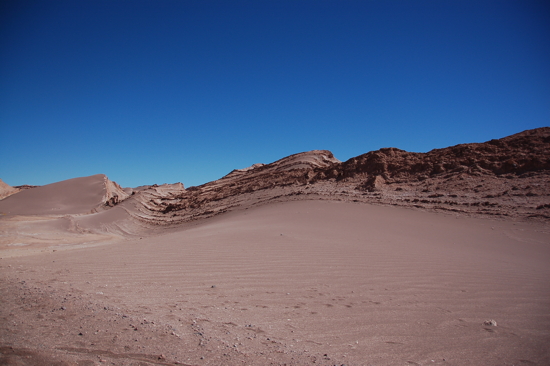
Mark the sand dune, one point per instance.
(49, 217)
(72, 196)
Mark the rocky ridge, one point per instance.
(508, 177)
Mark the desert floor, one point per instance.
(296, 283)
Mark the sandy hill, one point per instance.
(73, 196)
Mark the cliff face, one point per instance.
(505, 177)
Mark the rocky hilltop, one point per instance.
(518, 154)
(504, 177)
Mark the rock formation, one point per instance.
(7, 190)
(505, 177)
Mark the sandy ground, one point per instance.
(295, 283)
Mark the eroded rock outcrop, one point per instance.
(521, 153)
(240, 185)
(6, 190)
(506, 177)
(114, 193)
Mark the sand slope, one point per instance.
(72, 196)
(62, 215)
(296, 283)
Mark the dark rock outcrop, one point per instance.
(528, 151)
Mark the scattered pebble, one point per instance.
(490, 323)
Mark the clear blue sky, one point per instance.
(185, 91)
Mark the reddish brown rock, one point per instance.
(505, 177)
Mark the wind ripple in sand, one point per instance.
(301, 280)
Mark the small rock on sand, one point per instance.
(490, 323)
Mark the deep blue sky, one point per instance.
(166, 91)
